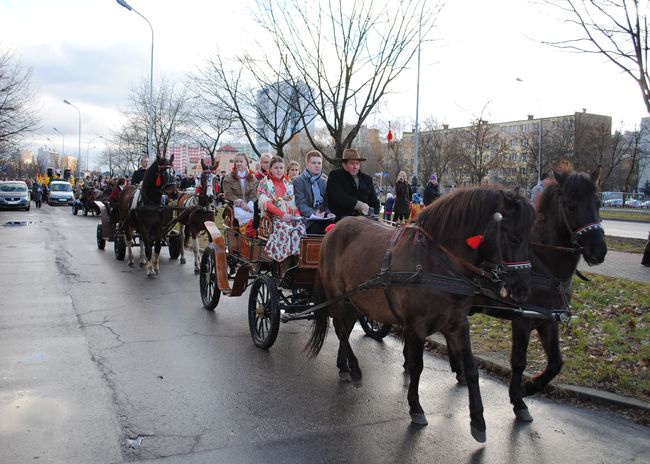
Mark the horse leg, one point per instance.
(195, 250)
(181, 240)
(454, 361)
(549, 335)
(518, 357)
(343, 327)
(146, 245)
(342, 364)
(461, 342)
(129, 249)
(145, 257)
(414, 348)
(156, 256)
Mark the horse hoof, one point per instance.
(523, 415)
(142, 264)
(197, 271)
(131, 265)
(345, 376)
(460, 378)
(357, 383)
(479, 435)
(183, 261)
(419, 418)
(152, 276)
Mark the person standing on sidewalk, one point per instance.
(646, 254)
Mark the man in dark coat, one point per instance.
(350, 192)
(138, 174)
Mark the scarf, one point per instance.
(315, 191)
(242, 180)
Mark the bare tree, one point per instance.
(348, 54)
(171, 115)
(17, 113)
(616, 29)
(483, 150)
(437, 147)
(271, 108)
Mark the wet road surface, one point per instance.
(99, 364)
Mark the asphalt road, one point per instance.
(627, 229)
(100, 365)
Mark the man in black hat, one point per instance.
(350, 192)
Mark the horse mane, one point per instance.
(466, 212)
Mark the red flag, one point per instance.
(389, 136)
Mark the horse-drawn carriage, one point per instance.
(86, 201)
(428, 276)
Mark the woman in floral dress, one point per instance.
(275, 196)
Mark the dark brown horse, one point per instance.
(144, 214)
(197, 208)
(567, 227)
(442, 252)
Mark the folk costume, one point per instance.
(277, 197)
(344, 191)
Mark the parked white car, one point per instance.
(613, 203)
(14, 194)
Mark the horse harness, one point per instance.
(456, 285)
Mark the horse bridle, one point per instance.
(502, 267)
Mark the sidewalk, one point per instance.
(620, 264)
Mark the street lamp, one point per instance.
(417, 112)
(88, 147)
(63, 142)
(79, 152)
(150, 116)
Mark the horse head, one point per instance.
(505, 243)
(207, 180)
(573, 205)
(165, 180)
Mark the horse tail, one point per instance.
(320, 324)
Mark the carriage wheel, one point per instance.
(74, 210)
(101, 243)
(374, 329)
(264, 312)
(174, 245)
(85, 211)
(210, 294)
(120, 247)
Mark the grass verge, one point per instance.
(628, 245)
(642, 216)
(607, 347)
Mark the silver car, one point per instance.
(60, 193)
(14, 194)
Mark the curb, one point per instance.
(489, 363)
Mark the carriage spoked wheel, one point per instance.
(101, 243)
(264, 312)
(120, 247)
(210, 294)
(174, 245)
(374, 329)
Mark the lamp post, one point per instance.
(150, 106)
(88, 147)
(63, 142)
(417, 112)
(79, 152)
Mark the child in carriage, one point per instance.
(240, 188)
(276, 196)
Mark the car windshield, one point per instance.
(59, 187)
(13, 188)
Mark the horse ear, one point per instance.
(595, 175)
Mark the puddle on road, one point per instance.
(17, 223)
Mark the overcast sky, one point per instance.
(92, 51)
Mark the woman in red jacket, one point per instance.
(275, 196)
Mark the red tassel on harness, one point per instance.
(328, 228)
(198, 190)
(474, 241)
(158, 181)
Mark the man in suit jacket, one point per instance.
(350, 192)
(309, 190)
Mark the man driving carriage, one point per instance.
(114, 198)
(350, 192)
